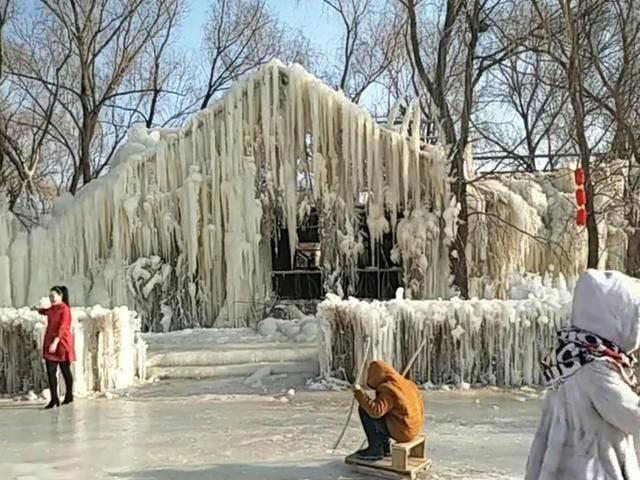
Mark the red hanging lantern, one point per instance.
(581, 197)
(579, 176)
(581, 219)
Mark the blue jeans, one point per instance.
(376, 431)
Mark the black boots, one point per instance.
(53, 403)
(52, 371)
(370, 454)
(374, 454)
(377, 437)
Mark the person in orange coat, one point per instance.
(58, 345)
(397, 411)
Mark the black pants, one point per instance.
(52, 371)
(376, 431)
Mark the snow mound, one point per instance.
(327, 383)
(303, 330)
(268, 327)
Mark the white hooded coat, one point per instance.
(587, 426)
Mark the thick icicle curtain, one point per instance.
(487, 342)
(527, 222)
(204, 202)
(110, 354)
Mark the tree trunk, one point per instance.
(75, 181)
(457, 253)
(83, 169)
(592, 225)
(152, 109)
(575, 80)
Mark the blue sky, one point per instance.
(309, 16)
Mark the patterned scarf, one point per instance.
(577, 348)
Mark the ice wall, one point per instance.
(109, 351)
(202, 203)
(488, 342)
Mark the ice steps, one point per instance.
(228, 356)
(225, 353)
(310, 367)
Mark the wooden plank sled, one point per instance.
(407, 460)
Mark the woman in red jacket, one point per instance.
(58, 344)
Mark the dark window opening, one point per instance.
(377, 276)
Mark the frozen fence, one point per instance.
(109, 351)
(489, 342)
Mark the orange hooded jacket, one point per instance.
(398, 400)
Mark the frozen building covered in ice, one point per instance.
(185, 225)
(285, 188)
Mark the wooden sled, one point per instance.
(407, 460)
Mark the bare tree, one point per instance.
(614, 50)
(27, 119)
(104, 38)
(163, 77)
(371, 42)
(523, 89)
(4, 170)
(5, 6)
(164, 67)
(239, 36)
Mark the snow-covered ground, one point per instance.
(193, 431)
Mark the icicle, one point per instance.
(359, 138)
(415, 143)
(251, 118)
(39, 250)
(274, 104)
(405, 174)
(19, 256)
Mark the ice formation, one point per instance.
(257, 376)
(109, 351)
(201, 204)
(488, 342)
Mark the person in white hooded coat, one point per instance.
(591, 410)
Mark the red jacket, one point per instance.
(58, 325)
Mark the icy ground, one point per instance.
(191, 430)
